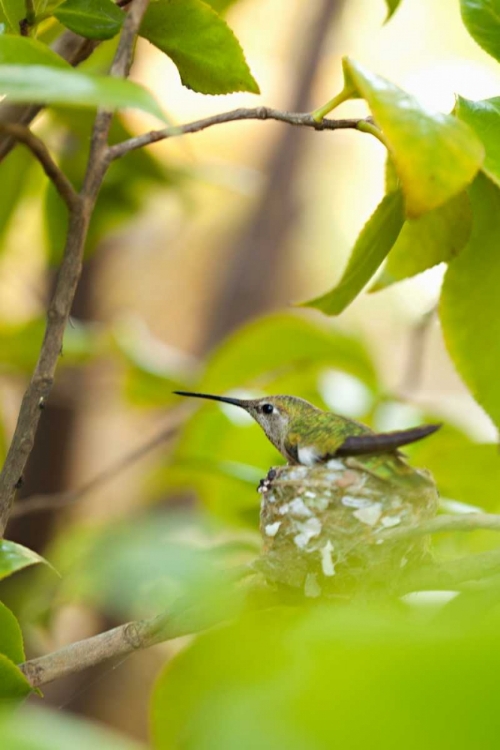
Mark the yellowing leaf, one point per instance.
(484, 118)
(435, 237)
(470, 301)
(375, 241)
(201, 44)
(436, 156)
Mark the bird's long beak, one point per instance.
(224, 399)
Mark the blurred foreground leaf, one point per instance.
(44, 84)
(38, 729)
(332, 677)
(372, 246)
(469, 301)
(200, 43)
(436, 156)
(392, 6)
(17, 50)
(141, 567)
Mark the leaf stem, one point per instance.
(368, 127)
(320, 113)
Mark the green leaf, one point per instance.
(464, 470)
(482, 21)
(15, 171)
(470, 302)
(435, 237)
(32, 728)
(275, 345)
(48, 85)
(13, 684)
(14, 557)
(392, 6)
(375, 241)
(93, 19)
(484, 118)
(436, 156)
(200, 43)
(11, 638)
(333, 677)
(220, 6)
(14, 11)
(21, 50)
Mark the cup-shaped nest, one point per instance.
(326, 528)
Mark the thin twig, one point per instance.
(451, 574)
(41, 153)
(67, 281)
(441, 524)
(302, 119)
(38, 503)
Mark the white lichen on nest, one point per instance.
(330, 521)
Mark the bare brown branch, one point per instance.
(41, 153)
(303, 119)
(67, 281)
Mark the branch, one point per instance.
(257, 113)
(67, 281)
(188, 618)
(449, 575)
(119, 641)
(440, 524)
(41, 153)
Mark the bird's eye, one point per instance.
(267, 408)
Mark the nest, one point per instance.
(325, 527)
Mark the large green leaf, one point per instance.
(203, 47)
(14, 11)
(372, 246)
(14, 557)
(470, 301)
(41, 729)
(270, 346)
(21, 50)
(435, 237)
(482, 20)
(94, 19)
(484, 118)
(333, 677)
(436, 156)
(11, 638)
(13, 684)
(49, 85)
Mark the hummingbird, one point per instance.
(306, 435)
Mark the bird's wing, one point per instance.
(372, 444)
(291, 448)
